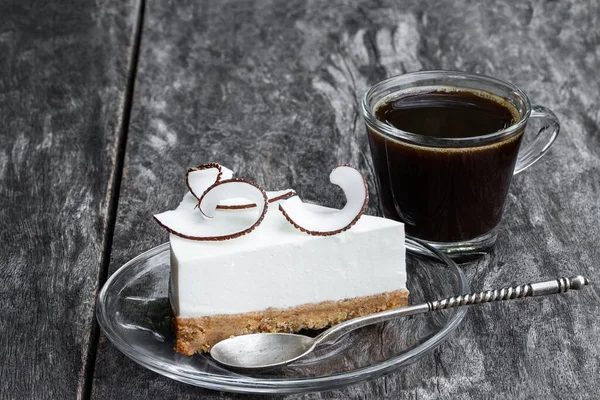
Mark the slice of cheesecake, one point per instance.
(279, 279)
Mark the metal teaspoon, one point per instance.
(262, 351)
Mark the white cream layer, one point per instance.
(278, 266)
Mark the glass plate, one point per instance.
(134, 313)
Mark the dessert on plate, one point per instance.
(244, 260)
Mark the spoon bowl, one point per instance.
(261, 351)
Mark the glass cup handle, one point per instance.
(542, 141)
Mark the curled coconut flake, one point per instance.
(325, 223)
(188, 223)
(200, 178)
(242, 204)
(233, 188)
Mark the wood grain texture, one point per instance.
(271, 90)
(62, 86)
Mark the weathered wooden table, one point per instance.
(103, 106)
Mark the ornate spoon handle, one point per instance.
(508, 293)
(559, 285)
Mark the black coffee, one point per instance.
(446, 114)
(445, 194)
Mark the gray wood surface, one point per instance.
(63, 78)
(271, 89)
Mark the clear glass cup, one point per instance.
(450, 192)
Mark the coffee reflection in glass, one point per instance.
(445, 146)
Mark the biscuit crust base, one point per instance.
(199, 334)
